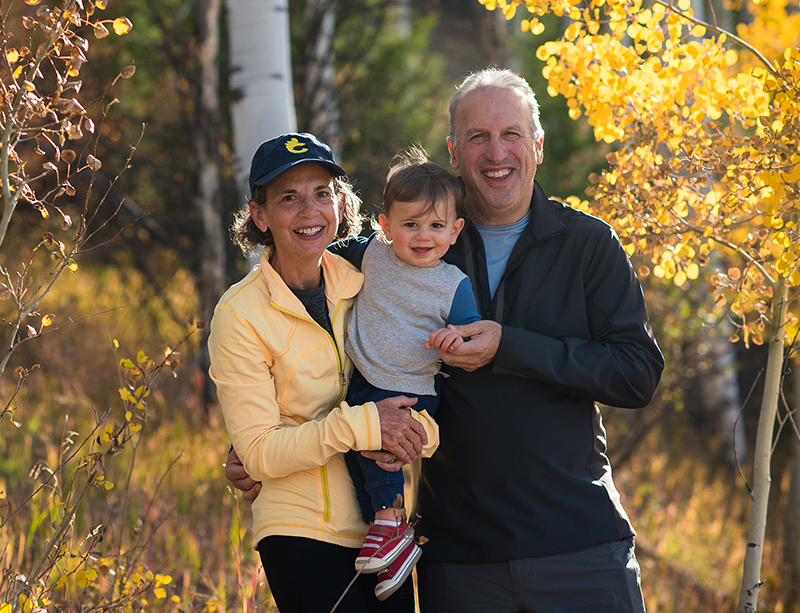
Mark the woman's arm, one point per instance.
(273, 445)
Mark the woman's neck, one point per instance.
(295, 274)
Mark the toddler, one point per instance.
(408, 293)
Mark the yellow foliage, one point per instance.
(706, 133)
(123, 25)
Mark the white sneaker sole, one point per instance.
(386, 588)
(375, 564)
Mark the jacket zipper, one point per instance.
(323, 470)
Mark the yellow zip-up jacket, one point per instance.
(281, 381)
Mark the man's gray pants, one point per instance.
(600, 579)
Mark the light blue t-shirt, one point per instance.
(498, 242)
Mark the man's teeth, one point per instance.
(497, 174)
(309, 231)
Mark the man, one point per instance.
(518, 503)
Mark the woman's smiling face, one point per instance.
(302, 212)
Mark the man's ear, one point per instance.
(257, 214)
(451, 149)
(457, 227)
(386, 228)
(539, 150)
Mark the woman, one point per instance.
(277, 358)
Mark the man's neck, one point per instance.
(493, 217)
(486, 215)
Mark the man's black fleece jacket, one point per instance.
(521, 470)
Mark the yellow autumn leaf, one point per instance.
(572, 31)
(48, 320)
(160, 592)
(73, 16)
(142, 391)
(12, 55)
(122, 25)
(101, 4)
(86, 577)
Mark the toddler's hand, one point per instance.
(444, 339)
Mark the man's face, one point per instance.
(496, 155)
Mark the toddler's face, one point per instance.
(420, 234)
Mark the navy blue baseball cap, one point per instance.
(282, 152)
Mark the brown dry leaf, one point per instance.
(100, 31)
(93, 162)
(128, 71)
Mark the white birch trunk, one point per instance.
(751, 581)
(261, 78)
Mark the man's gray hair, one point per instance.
(494, 78)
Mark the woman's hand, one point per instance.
(236, 473)
(401, 434)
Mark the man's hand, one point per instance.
(484, 339)
(235, 473)
(401, 434)
(444, 339)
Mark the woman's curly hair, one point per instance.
(246, 235)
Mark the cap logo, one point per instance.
(295, 146)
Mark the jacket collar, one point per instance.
(342, 281)
(544, 221)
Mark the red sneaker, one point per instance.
(382, 545)
(392, 577)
